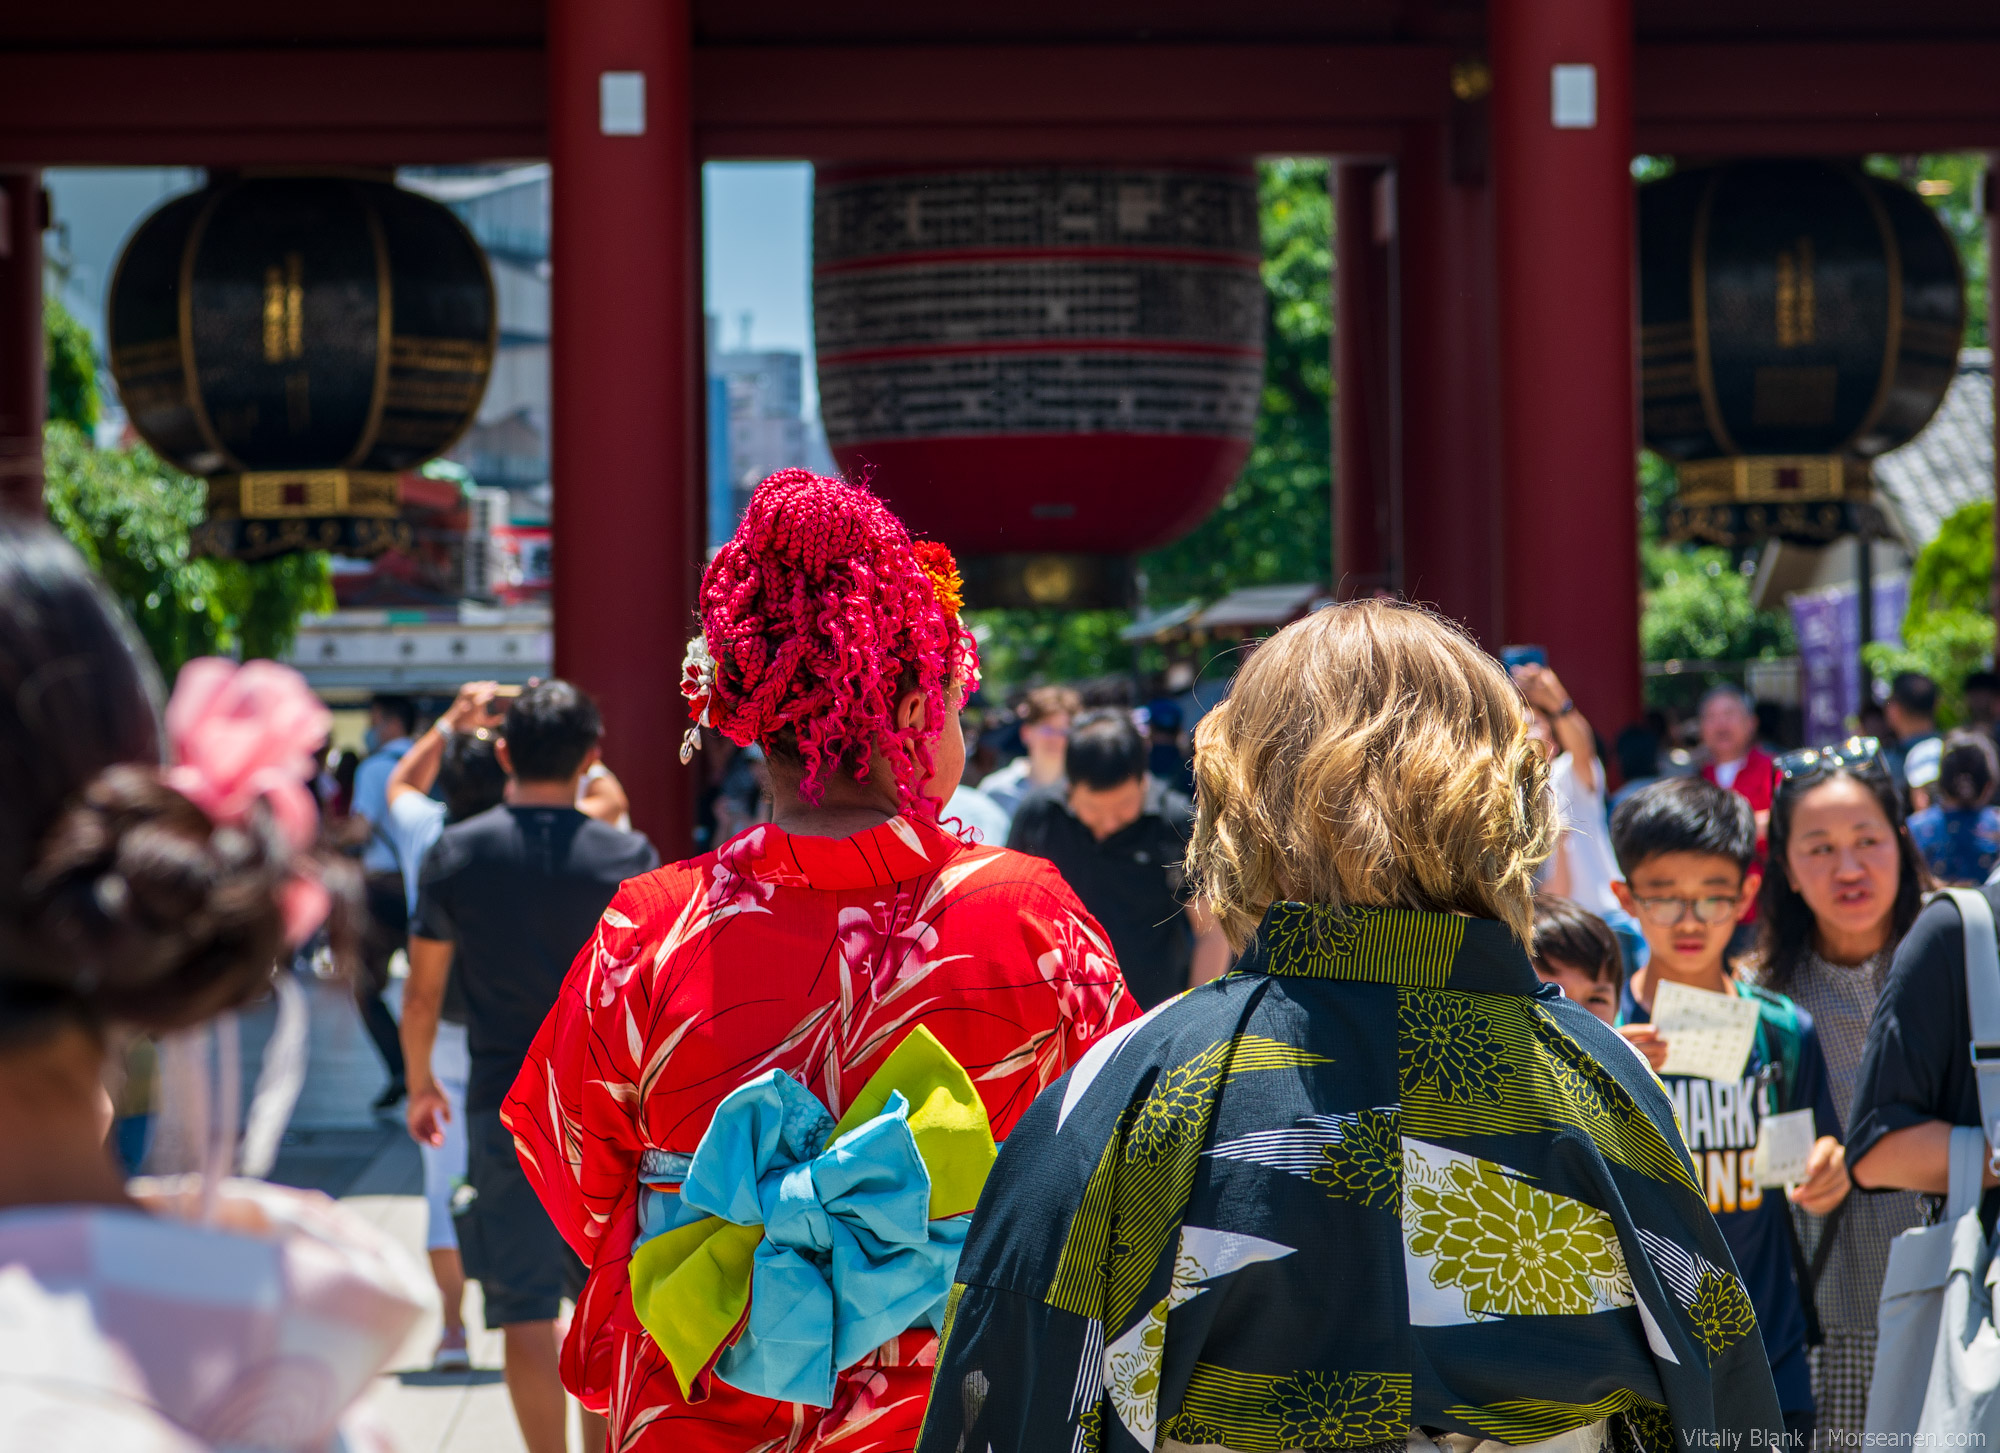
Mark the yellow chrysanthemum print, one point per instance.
(1589, 1085)
(1512, 1249)
(1366, 1164)
(1308, 938)
(1174, 1109)
(1651, 1427)
(1187, 1428)
(1446, 1044)
(1722, 1313)
(1340, 1409)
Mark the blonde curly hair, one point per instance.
(1370, 754)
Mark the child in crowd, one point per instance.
(1578, 952)
(1959, 834)
(1687, 849)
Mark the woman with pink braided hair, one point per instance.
(765, 1104)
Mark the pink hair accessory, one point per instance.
(240, 735)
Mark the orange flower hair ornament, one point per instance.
(934, 559)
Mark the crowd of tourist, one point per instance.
(1344, 1065)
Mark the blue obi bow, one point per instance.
(849, 1255)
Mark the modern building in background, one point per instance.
(767, 428)
(507, 210)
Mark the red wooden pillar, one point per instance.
(23, 376)
(625, 320)
(1364, 396)
(1562, 148)
(1450, 423)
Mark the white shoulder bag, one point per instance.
(1937, 1354)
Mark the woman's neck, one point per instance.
(846, 807)
(1849, 947)
(54, 1116)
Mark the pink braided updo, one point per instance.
(818, 615)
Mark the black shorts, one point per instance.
(510, 1246)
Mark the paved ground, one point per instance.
(371, 1165)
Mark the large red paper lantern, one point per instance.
(1040, 360)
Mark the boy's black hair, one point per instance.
(1105, 750)
(1638, 751)
(401, 708)
(1915, 692)
(1576, 938)
(1683, 815)
(550, 729)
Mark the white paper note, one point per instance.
(1784, 1144)
(1708, 1035)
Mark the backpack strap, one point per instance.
(1982, 1000)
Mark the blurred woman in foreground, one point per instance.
(137, 896)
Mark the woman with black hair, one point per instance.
(1842, 885)
(150, 880)
(1959, 834)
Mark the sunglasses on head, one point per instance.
(1857, 754)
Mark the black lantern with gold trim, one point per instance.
(1798, 318)
(300, 341)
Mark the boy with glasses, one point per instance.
(1688, 849)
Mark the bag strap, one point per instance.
(1808, 1276)
(1982, 1002)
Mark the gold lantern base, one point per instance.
(1810, 499)
(260, 514)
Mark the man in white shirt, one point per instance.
(1045, 713)
(1583, 868)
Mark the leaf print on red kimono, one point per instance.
(616, 951)
(1078, 966)
(734, 883)
(888, 950)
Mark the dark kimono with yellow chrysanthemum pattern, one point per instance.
(1377, 1178)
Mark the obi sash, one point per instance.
(797, 1244)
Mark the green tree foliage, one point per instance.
(1698, 608)
(1020, 646)
(1948, 628)
(72, 366)
(129, 514)
(1954, 571)
(1951, 183)
(1276, 522)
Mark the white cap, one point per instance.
(1920, 767)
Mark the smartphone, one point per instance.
(1512, 656)
(506, 693)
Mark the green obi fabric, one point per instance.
(1377, 1178)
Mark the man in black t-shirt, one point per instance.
(1120, 838)
(512, 894)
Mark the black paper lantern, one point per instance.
(300, 341)
(1798, 318)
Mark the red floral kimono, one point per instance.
(814, 956)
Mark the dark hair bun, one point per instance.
(140, 910)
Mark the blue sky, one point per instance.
(758, 219)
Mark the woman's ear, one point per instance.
(911, 712)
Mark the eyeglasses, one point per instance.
(1856, 754)
(1668, 912)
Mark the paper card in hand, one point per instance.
(1784, 1145)
(1708, 1035)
